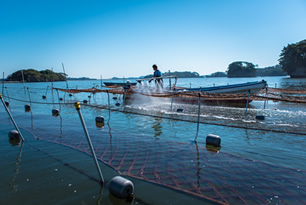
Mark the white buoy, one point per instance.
(14, 135)
(214, 140)
(55, 112)
(121, 187)
(100, 119)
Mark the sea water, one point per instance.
(54, 165)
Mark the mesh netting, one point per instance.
(269, 94)
(189, 167)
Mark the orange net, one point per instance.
(270, 94)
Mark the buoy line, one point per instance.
(105, 107)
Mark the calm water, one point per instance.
(53, 165)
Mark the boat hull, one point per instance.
(118, 84)
(242, 88)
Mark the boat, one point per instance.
(242, 88)
(142, 92)
(220, 95)
(119, 84)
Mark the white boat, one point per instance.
(252, 87)
(236, 93)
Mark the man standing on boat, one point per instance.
(157, 74)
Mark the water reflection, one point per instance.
(118, 201)
(100, 196)
(198, 165)
(61, 122)
(110, 140)
(157, 127)
(17, 169)
(292, 83)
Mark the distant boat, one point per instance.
(119, 84)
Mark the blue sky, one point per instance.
(123, 38)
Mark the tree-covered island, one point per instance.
(241, 69)
(31, 75)
(293, 59)
(292, 62)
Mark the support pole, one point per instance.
(47, 90)
(23, 82)
(124, 96)
(109, 112)
(78, 108)
(58, 97)
(67, 87)
(264, 104)
(59, 101)
(65, 75)
(3, 85)
(172, 98)
(7, 94)
(247, 104)
(11, 117)
(29, 97)
(266, 98)
(169, 81)
(199, 111)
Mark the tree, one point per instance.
(293, 59)
(218, 74)
(241, 69)
(271, 71)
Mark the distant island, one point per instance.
(216, 75)
(183, 74)
(31, 75)
(241, 71)
(81, 78)
(271, 71)
(292, 62)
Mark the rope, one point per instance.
(105, 107)
(284, 90)
(204, 95)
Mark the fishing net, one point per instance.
(276, 95)
(189, 168)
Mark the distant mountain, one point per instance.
(179, 74)
(217, 75)
(267, 71)
(271, 71)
